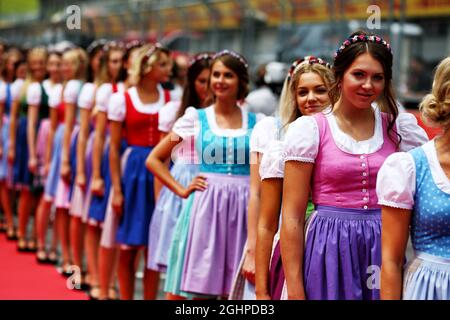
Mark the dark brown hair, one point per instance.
(238, 67)
(383, 55)
(190, 97)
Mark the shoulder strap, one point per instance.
(8, 91)
(420, 160)
(166, 96)
(128, 106)
(251, 121)
(44, 95)
(322, 124)
(128, 101)
(385, 122)
(202, 116)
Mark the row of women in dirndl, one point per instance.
(202, 210)
(314, 158)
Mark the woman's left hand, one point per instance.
(248, 268)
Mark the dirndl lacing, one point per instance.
(427, 277)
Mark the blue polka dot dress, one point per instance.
(427, 275)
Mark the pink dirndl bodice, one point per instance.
(346, 180)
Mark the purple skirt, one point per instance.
(276, 274)
(343, 254)
(217, 235)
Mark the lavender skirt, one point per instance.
(64, 190)
(217, 235)
(165, 217)
(343, 254)
(4, 166)
(79, 203)
(276, 273)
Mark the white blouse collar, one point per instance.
(210, 114)
(438, 174)
(347, 144)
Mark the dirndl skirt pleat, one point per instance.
(427, 277)
(165, 216)
(111, 222)
(39, 178)
(217, 235)
(276, 273)
(55, 165)
(177, 251)
(241, 288)
(4, 166)
(139, 200)
(98, 206)
(343, 254)
(63, 189)
(22, 177)
(79, 203)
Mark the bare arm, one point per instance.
(85, 116)
(296, 188)
(12, 131)
(32, 119)
(101, 121)
(51, 136)
(394, 239)
(2, 111)
(115, 166)
(156, 164)
(269, 213)
(69, 120)
(248, 267)
(158, 184)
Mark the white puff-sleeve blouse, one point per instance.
(189, 125)
(396, 180)
(87, 96)
(167, 116)
(272, 163)
(302, 137)
(71, 91)
(263, 133)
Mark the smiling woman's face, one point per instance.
(363, 82)
(224, 81)
(312, 93)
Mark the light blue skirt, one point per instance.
(165, 216)
(55, 165)
(5, 144)
(427, 277)
(178, 250)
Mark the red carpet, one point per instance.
(431, 132)
(21, 277)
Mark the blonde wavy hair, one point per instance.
(38, 52)
(288, 108)
(435, 106)
(79, 60)
(146, 57)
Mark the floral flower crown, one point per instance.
(199, 57)
(96, 44)
(113, 44)
(152, 50)
(295, 67)
(233, 54)
(362, 38)
(134, 44)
